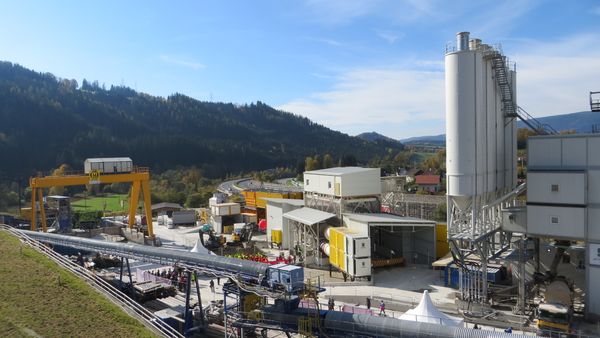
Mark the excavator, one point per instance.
(214, 241)
(243, 234)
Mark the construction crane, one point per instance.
(137, 176)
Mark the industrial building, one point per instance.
(341, 190)
(344, 204)
(394, 236)
(543, 238)
(276, 207)
(563, 199)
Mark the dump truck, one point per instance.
(184, 217)
(556, 310)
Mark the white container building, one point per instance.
(109, 165)
(225, 209)
(343, 181)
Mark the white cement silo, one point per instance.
(480, 140)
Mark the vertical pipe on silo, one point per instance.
(515, 130)
(462, 41)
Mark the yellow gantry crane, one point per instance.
(139, 177)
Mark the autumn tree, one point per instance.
(62, 170)
(327, 161)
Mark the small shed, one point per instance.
(343, 181)
(429, 183)
(276, 207)
(165, 208)
(394, 236)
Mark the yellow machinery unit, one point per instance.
(441, 240)
(139, 177)
(255, 199)
(337, 249)
(277, 236)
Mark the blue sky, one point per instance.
(353, 66)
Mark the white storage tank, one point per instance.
(480, 140)
(461, 123)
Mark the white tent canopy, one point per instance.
(199, 248)
(426, 312)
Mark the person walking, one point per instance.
(212, 286)
(331, 304)
(381, 308)
(368, 303)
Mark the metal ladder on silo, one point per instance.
(502, 79)
(511, 110)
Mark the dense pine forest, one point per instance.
(46, 121)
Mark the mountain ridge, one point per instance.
(46, 121)
(581, 122)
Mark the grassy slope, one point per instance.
(97, 203)
(39, 297)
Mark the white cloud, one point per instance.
(339, 12)
(389, 36)
(556, 78)
(180, 61)
(498, 19)
(326, 41)
(552, 78)
(375, 96)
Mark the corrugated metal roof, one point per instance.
(166, 205)
(108, 159)
(308, 216)
(340, 171)
(290, 201)
(389, 218)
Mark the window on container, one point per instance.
(554, 188)
(554, 219)
(307, 182)
(329, 185)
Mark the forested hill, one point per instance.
(46, 121)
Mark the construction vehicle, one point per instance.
(556, 310)
(241, 233)
(214, 241)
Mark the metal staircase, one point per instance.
(511, 109)
(500, 67)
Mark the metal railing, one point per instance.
(130, 306)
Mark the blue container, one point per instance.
(452, 275)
